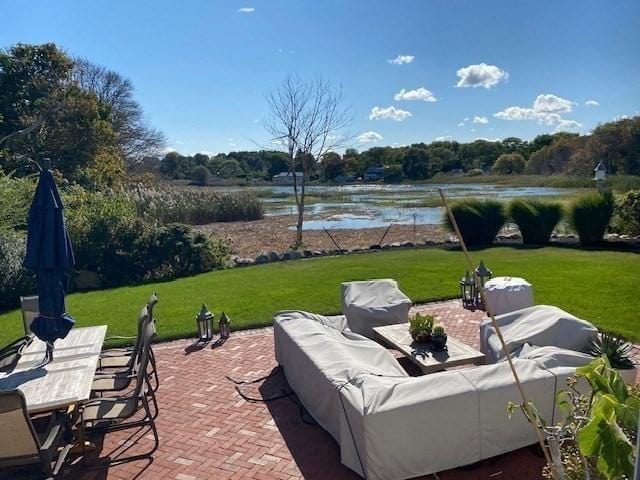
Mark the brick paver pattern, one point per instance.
(208, 431)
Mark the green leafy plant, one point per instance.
(596, 437)
(616, 349)
(590, 214)
(479, 221)
(536, 219)
(420, 327)
(628, 213)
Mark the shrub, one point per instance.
(509, 164)
(628, 213)
(536, 219)
(479, 221)
(15, 280)
(111, 238)
(590, 214)
(475, 172)
(200, 176)
(170, 205)
(15, 198)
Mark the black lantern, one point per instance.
(225, 326)
(204, 320)
(468, 290)
(482, 274)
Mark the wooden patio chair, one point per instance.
(21, 444)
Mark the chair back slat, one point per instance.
(17, 436)
(153, 299)
(148, 334)
(30, 310)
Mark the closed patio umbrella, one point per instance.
(50, 255)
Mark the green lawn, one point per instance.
(600, 286)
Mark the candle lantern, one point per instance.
(204, 321)
(225, 326)
(468, 290)
(482, 274)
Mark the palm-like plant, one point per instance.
(616, 349)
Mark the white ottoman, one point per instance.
(507, 294)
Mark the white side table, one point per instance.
(507, 294)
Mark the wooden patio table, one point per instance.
(429, 360)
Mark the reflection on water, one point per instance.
(377, 205)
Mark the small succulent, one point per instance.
(616, 349)
(420, 327)
(438, 331)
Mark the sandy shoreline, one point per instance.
(248, 239)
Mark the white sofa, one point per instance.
(392, 426)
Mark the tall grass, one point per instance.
(590, 214)
(479, 221)
(536, 219)
(195, 207)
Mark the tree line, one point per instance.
(82, 116)
(616, 144)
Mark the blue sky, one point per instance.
(202, 68)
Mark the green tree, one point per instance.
(416, 164)
(331, 165)
(509, 164)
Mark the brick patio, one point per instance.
(208, 431)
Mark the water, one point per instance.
(378, 205)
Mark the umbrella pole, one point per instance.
(525, 401)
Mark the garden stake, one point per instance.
(334, 241)
(523, 396)
(385, 234)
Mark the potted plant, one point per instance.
(618, 352)
(439, 338)
(420, 328)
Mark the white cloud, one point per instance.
(592, 103)
(482, 120)
(488, 139)
(402, 59)
(392, 113)
(461, 124)
(481, 75)
(246, 10)
(369, 137)
(549, 103)
(547, 109)
(412, 95)
(445, 138)
(168, 150)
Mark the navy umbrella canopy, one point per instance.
(50, 255)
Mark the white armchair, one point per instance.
(374, 303)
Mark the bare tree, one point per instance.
(307, 119)
(135, 138)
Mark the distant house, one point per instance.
(286, 178)
(373, 174)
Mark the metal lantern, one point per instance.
(468, 290)
(225, 326)
(204, 320)
(483, 274)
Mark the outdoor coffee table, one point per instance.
(429, 361)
